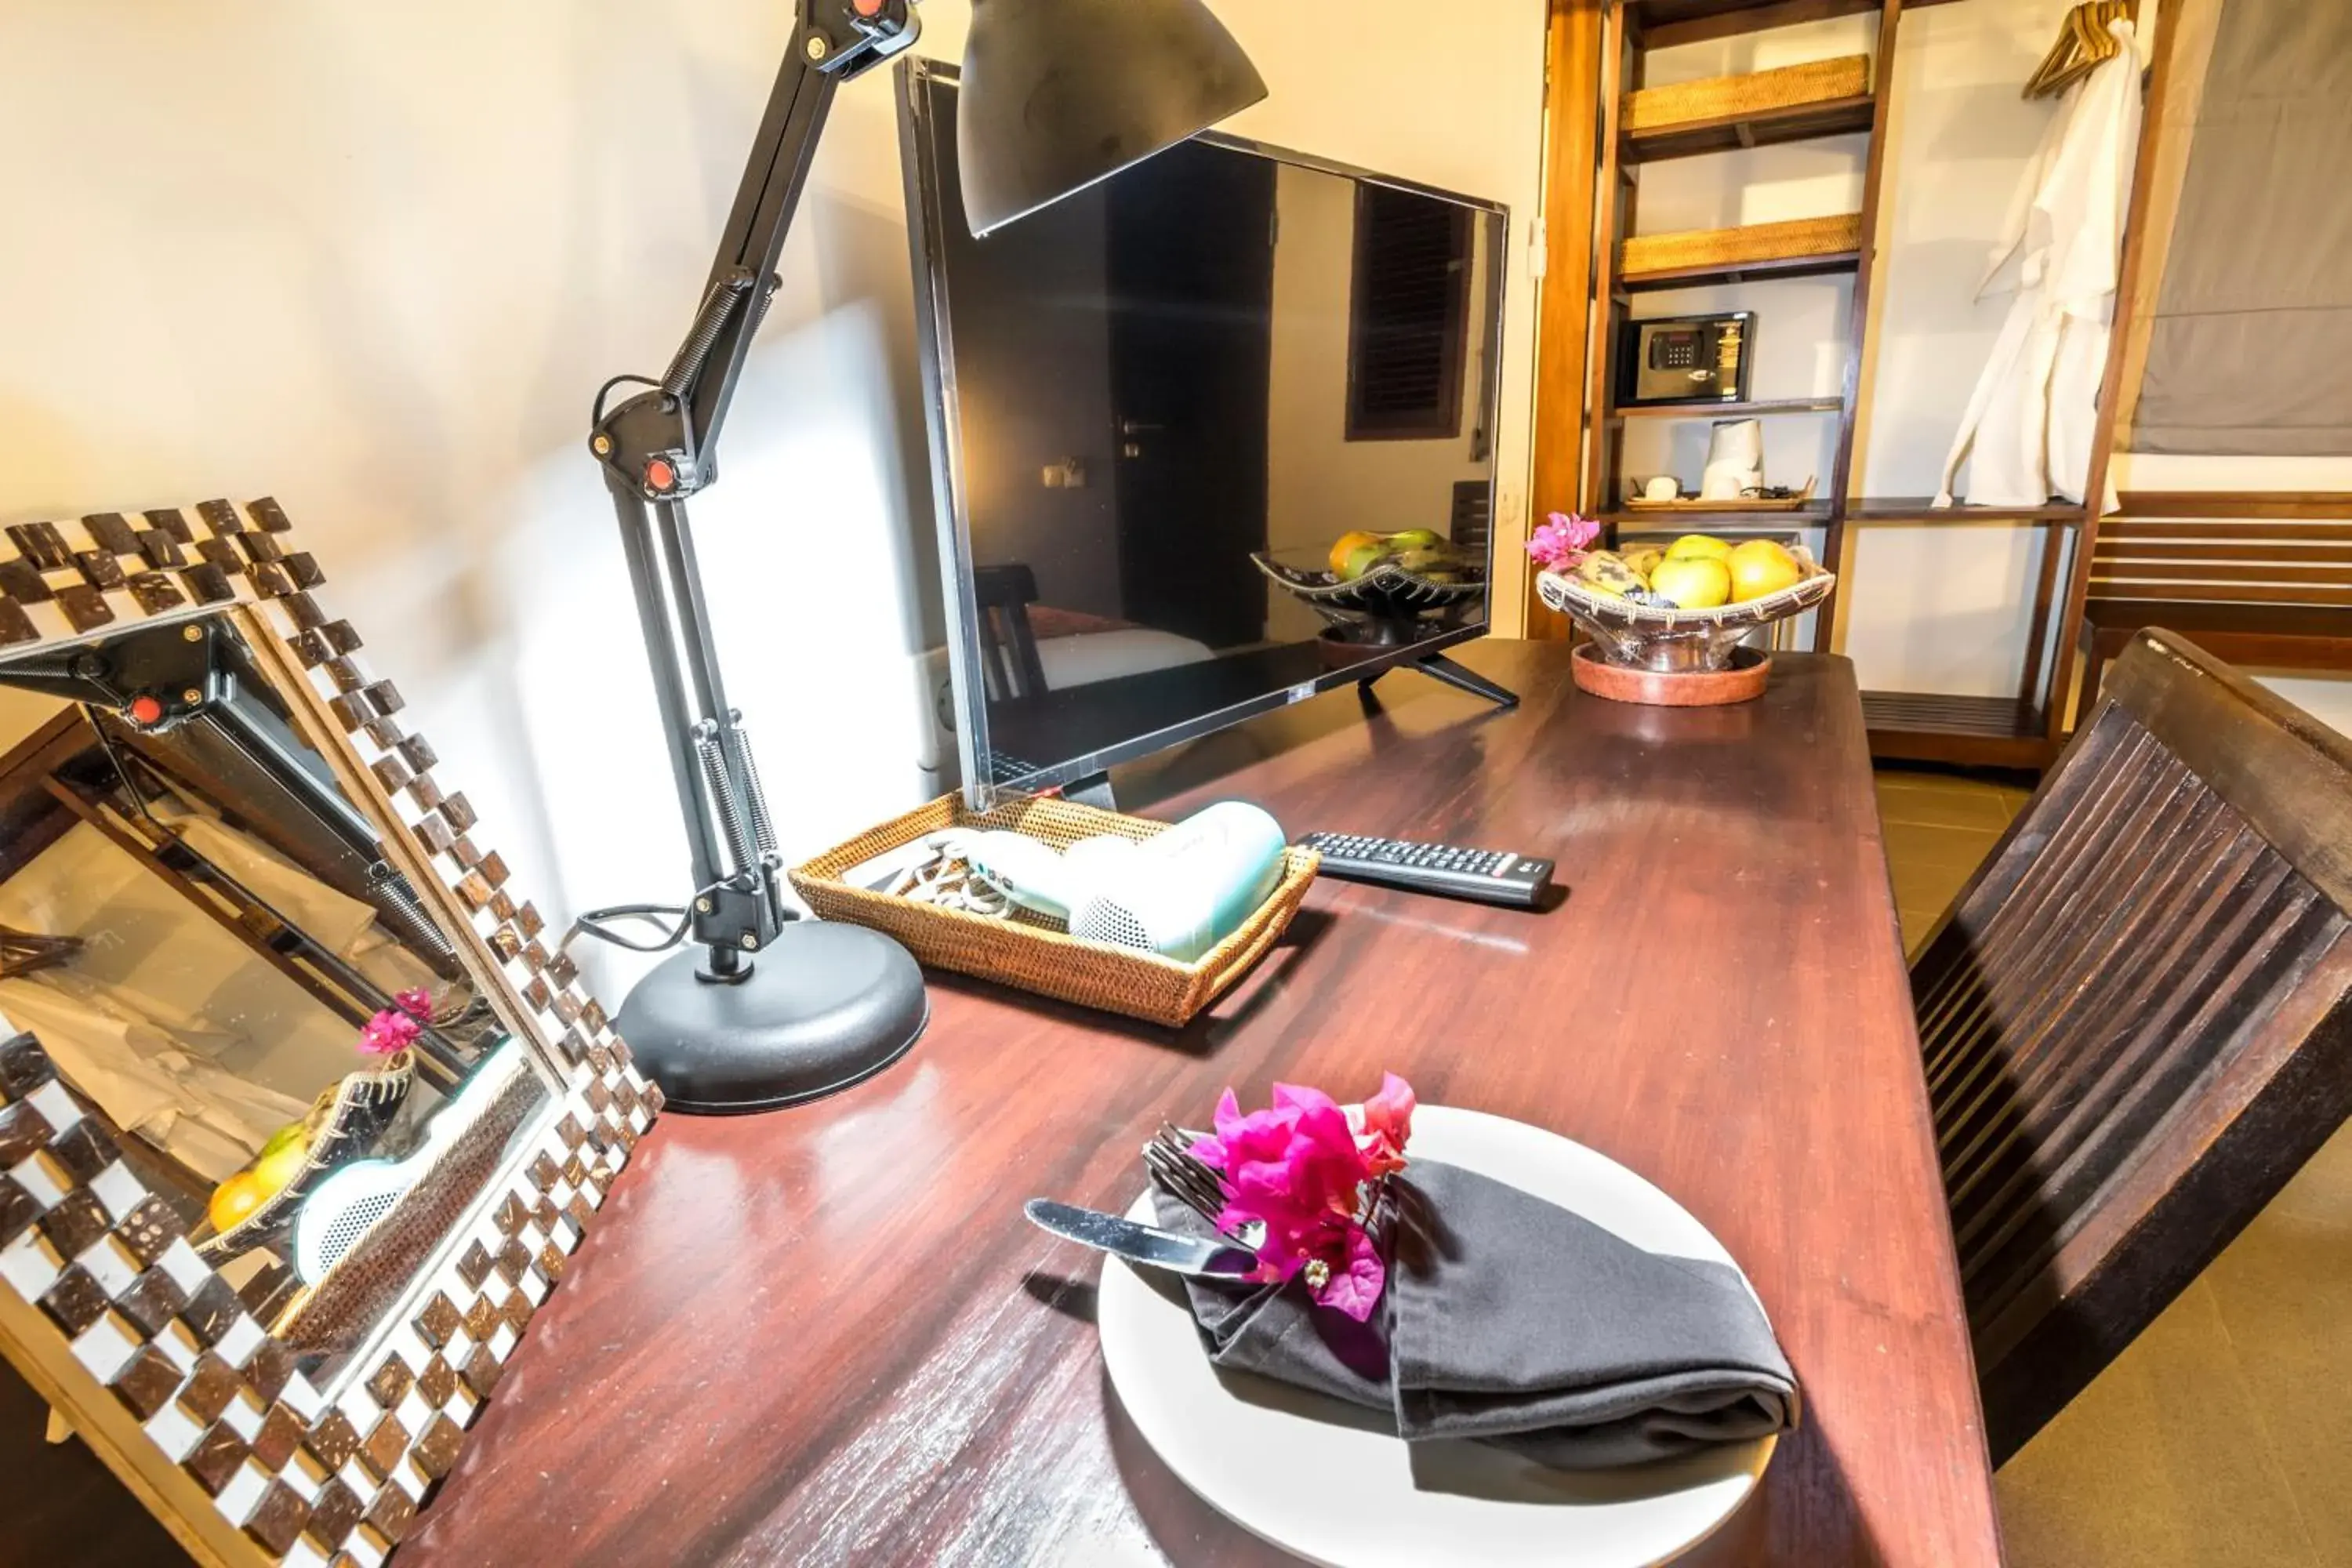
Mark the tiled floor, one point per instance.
(2223, 1435)
(1939, 828)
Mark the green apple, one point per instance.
(273, 1171)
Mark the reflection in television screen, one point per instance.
(1221, 427)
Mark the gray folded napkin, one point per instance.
(1511, 1320)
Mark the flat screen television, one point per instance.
(1157, 408)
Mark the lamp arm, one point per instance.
(662, 443)
(658, 446)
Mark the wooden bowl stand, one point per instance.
(1743, 682)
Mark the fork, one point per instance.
(1189, 1179)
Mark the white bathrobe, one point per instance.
(2033, 416)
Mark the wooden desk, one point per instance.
(827, 1335)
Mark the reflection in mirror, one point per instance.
(202, 931)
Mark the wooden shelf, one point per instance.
(1665, 23)
(1732, 410)
(1693, 520)
(1921, 509)
(1760, 127)
(1739, 272)
(1936, 727)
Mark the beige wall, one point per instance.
(1320, 484)
(374, 260)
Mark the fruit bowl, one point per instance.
(344, 1123)
(1666, 641)
(1387, 591)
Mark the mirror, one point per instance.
(202, 929)
(299, 1117)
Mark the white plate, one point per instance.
(1328, 1481)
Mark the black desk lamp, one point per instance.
(1057, 94)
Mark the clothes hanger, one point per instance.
(2083, 45)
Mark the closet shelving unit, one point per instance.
(2023, 730)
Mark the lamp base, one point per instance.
(825, 1006)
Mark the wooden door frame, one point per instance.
(1574, 109)
(2139, 251)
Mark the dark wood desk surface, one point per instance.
(826, 1335)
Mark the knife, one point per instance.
(1147, 1244)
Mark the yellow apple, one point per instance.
(272, 1171)
(1693, 583)
(1759, 567)
(1698, 547)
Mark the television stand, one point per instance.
(1092, 790)
(1437, 667)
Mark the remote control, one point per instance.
(1488, 876)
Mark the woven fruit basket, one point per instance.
(1670, 641)
(344, 1123)
(1034, 951)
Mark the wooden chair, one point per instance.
(2262, 579)
(1470, 519)
(2137, 1018)
(1009, 664)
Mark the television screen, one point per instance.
(1208, 436)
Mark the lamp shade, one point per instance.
(1057, 94)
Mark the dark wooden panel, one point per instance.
(2135, 1019)
(2108, 569)
(2116, 549)
(2236, 504)
(2113, 588)
(2196, 620)
(827, 1336)
(2127, 528)
(1939, 727)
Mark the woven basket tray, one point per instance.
(1031, 950)
(1732, 96)
(1757, 242)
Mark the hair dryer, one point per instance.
(1177, 894)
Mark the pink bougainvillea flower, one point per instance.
(1561, 539)
(416, 1004)
(1355, 1287)
(1387, 1123)
(1298, 1169)
(388, 1033)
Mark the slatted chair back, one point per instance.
(1470, 519)
(2137, 1018)
(1009, 664)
